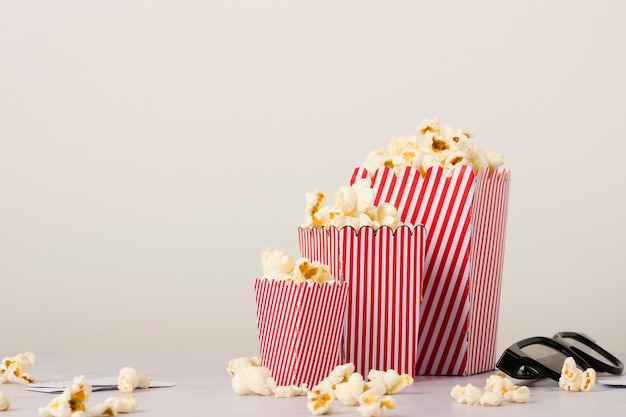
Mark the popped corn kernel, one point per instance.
(468, 394)
(518, 394)
(571, 376)
(288, 391)
(392, 380)
(129, 380)
(5, 403)
(498, 383)
(237, 363)
(122, 405)
(375, 405)
(253, 380)
(16, 368)
(341, 373)
(319, 401)
(588, 380)
(101, 410)
(71, 402)
(276, 264)
(491, 398)
(348, 392)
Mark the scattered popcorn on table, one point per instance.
(5, 403)
(251, 378)
(491, 398)
(393, 381)
(498, 389)
(288, 391)
(348, 392)
(573, 379)
(319, 401)
(237, 363)
(469, 394)
(280, 266)
(375, 405)
(70, 403)
(352, 206)
(340, 374)
(15, 369)
(122, 405)
(129, 380)
(441, 145)
(101, 410)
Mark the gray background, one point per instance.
(150, 150)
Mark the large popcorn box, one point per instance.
(300, 328)
(465, 219)
(383, 268)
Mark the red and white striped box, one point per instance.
(383, 268)
(465, 219)
(300, 329)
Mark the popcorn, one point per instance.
(348, 392)
(276, 264)
(573, 379)
(15, 369)
(70, 403)
(392, 381)
(498, 389)
(340, 374)
(280, 266)
(491, 398)
(469, 394)
(288, 391)
(375, 405)
(5, 403)
(352, 206)
(102, 409)
(519, 394)
(129, 379)
(320, 401)
(252, 380)
(441, 145)
(238, 363)
(122, 405)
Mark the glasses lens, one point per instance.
(549, 357)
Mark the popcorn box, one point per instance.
(383, 269)
(465, 219)
(300, 329)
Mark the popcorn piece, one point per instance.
(128, 380)
(491, 398)
(16, 368)
(392, 381)
(70, 403)
(498, 383)
(320, 401)
(5, 403)
(469, 394)
(340, 374)
(122, 405)
(238, 363)
(375, 405)
(588, 380)
(519, 394)
(251, 380)
(288, 391)
(571, 376)
(348, 392)
(102, 409)
(276, 264)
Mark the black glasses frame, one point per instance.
(518, 364)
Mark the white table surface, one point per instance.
(203, 388)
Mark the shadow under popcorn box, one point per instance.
(299, 328)
(465, 219)
(383, 268)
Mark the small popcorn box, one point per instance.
(465, 219)
(300, 328)
(383, 268)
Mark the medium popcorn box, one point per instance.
(300, 329)
(383, 269)
(465, 219)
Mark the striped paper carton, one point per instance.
(465, 219)
(300, 329)
(383, 269)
